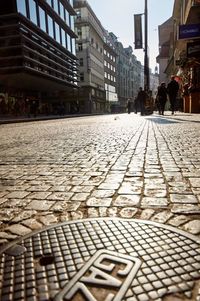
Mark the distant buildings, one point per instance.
(109, 73)
(56, 57)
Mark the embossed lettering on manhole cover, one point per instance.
(102, 260)
(112, 271)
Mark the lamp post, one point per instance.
(146, 59)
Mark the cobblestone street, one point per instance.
(124, 166)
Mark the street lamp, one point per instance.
(146, 59)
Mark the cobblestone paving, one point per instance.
(124, 166)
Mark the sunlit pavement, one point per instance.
(125, 165)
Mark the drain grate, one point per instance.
(101, 260)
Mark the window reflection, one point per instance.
(62, 14)
(32, 9)
(49, 2)
(69, 47)
(72, 22)
(63, 35)
(50, 26)
(55, 5)
(42, 19)
(73, 46)
(67, 17)
(21, 7)
(57, 29)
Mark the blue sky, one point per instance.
(118, 16)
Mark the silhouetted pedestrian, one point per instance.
(172, 90)
(141, 99)
(161, 98)
(129, 106)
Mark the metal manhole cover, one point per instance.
(102, 260)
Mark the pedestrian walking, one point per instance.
(136, 106)
(172, 90)
(141, 99)
(129, 106)
(161, 98)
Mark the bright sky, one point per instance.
(117, 16)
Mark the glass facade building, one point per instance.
(37, 47)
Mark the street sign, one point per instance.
(138, 31)
(193, 49)
(189, 31)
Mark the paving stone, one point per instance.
(17, 195)
(195, 182)
(162, 217)
(183, 199)
(80, 196)
(192, 227)
(98, 202)
(154, 202)
(48, 219)
(178, 220)
(42, 195)
(109, 186)
(100, 193)
(185, 209)
(127, 201)
(155, 193)
(76, 215)
(86, 189)
(24, 215)
(129, 188)
(40, 205)
(147, 214)
(128, 212)
(60, 196)
(7, 235)
(32, 224)
(18, 229)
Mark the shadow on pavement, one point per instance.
(162, 119)
(167, 119)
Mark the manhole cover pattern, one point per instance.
(170, 260)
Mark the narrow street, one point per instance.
(124, 166)
(101, 208)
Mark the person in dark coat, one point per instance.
(129, 106)
(162, 98)
(141, 99)
(172, 90)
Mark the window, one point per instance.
(55, 6)
(42, 19)
(81, 61)
(73, 46)
(21, 7)
(72, 22)
(80, 46)
(50, 26)
(57, 31)
(62, 11)
(69, 47)
(82, 77)
(63, 36)
(49, 2)
(32, 9)
(67, 17)
(79, 32)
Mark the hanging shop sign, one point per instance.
(138, 31)
(196, 2)
(193, 49)
(189, 31)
